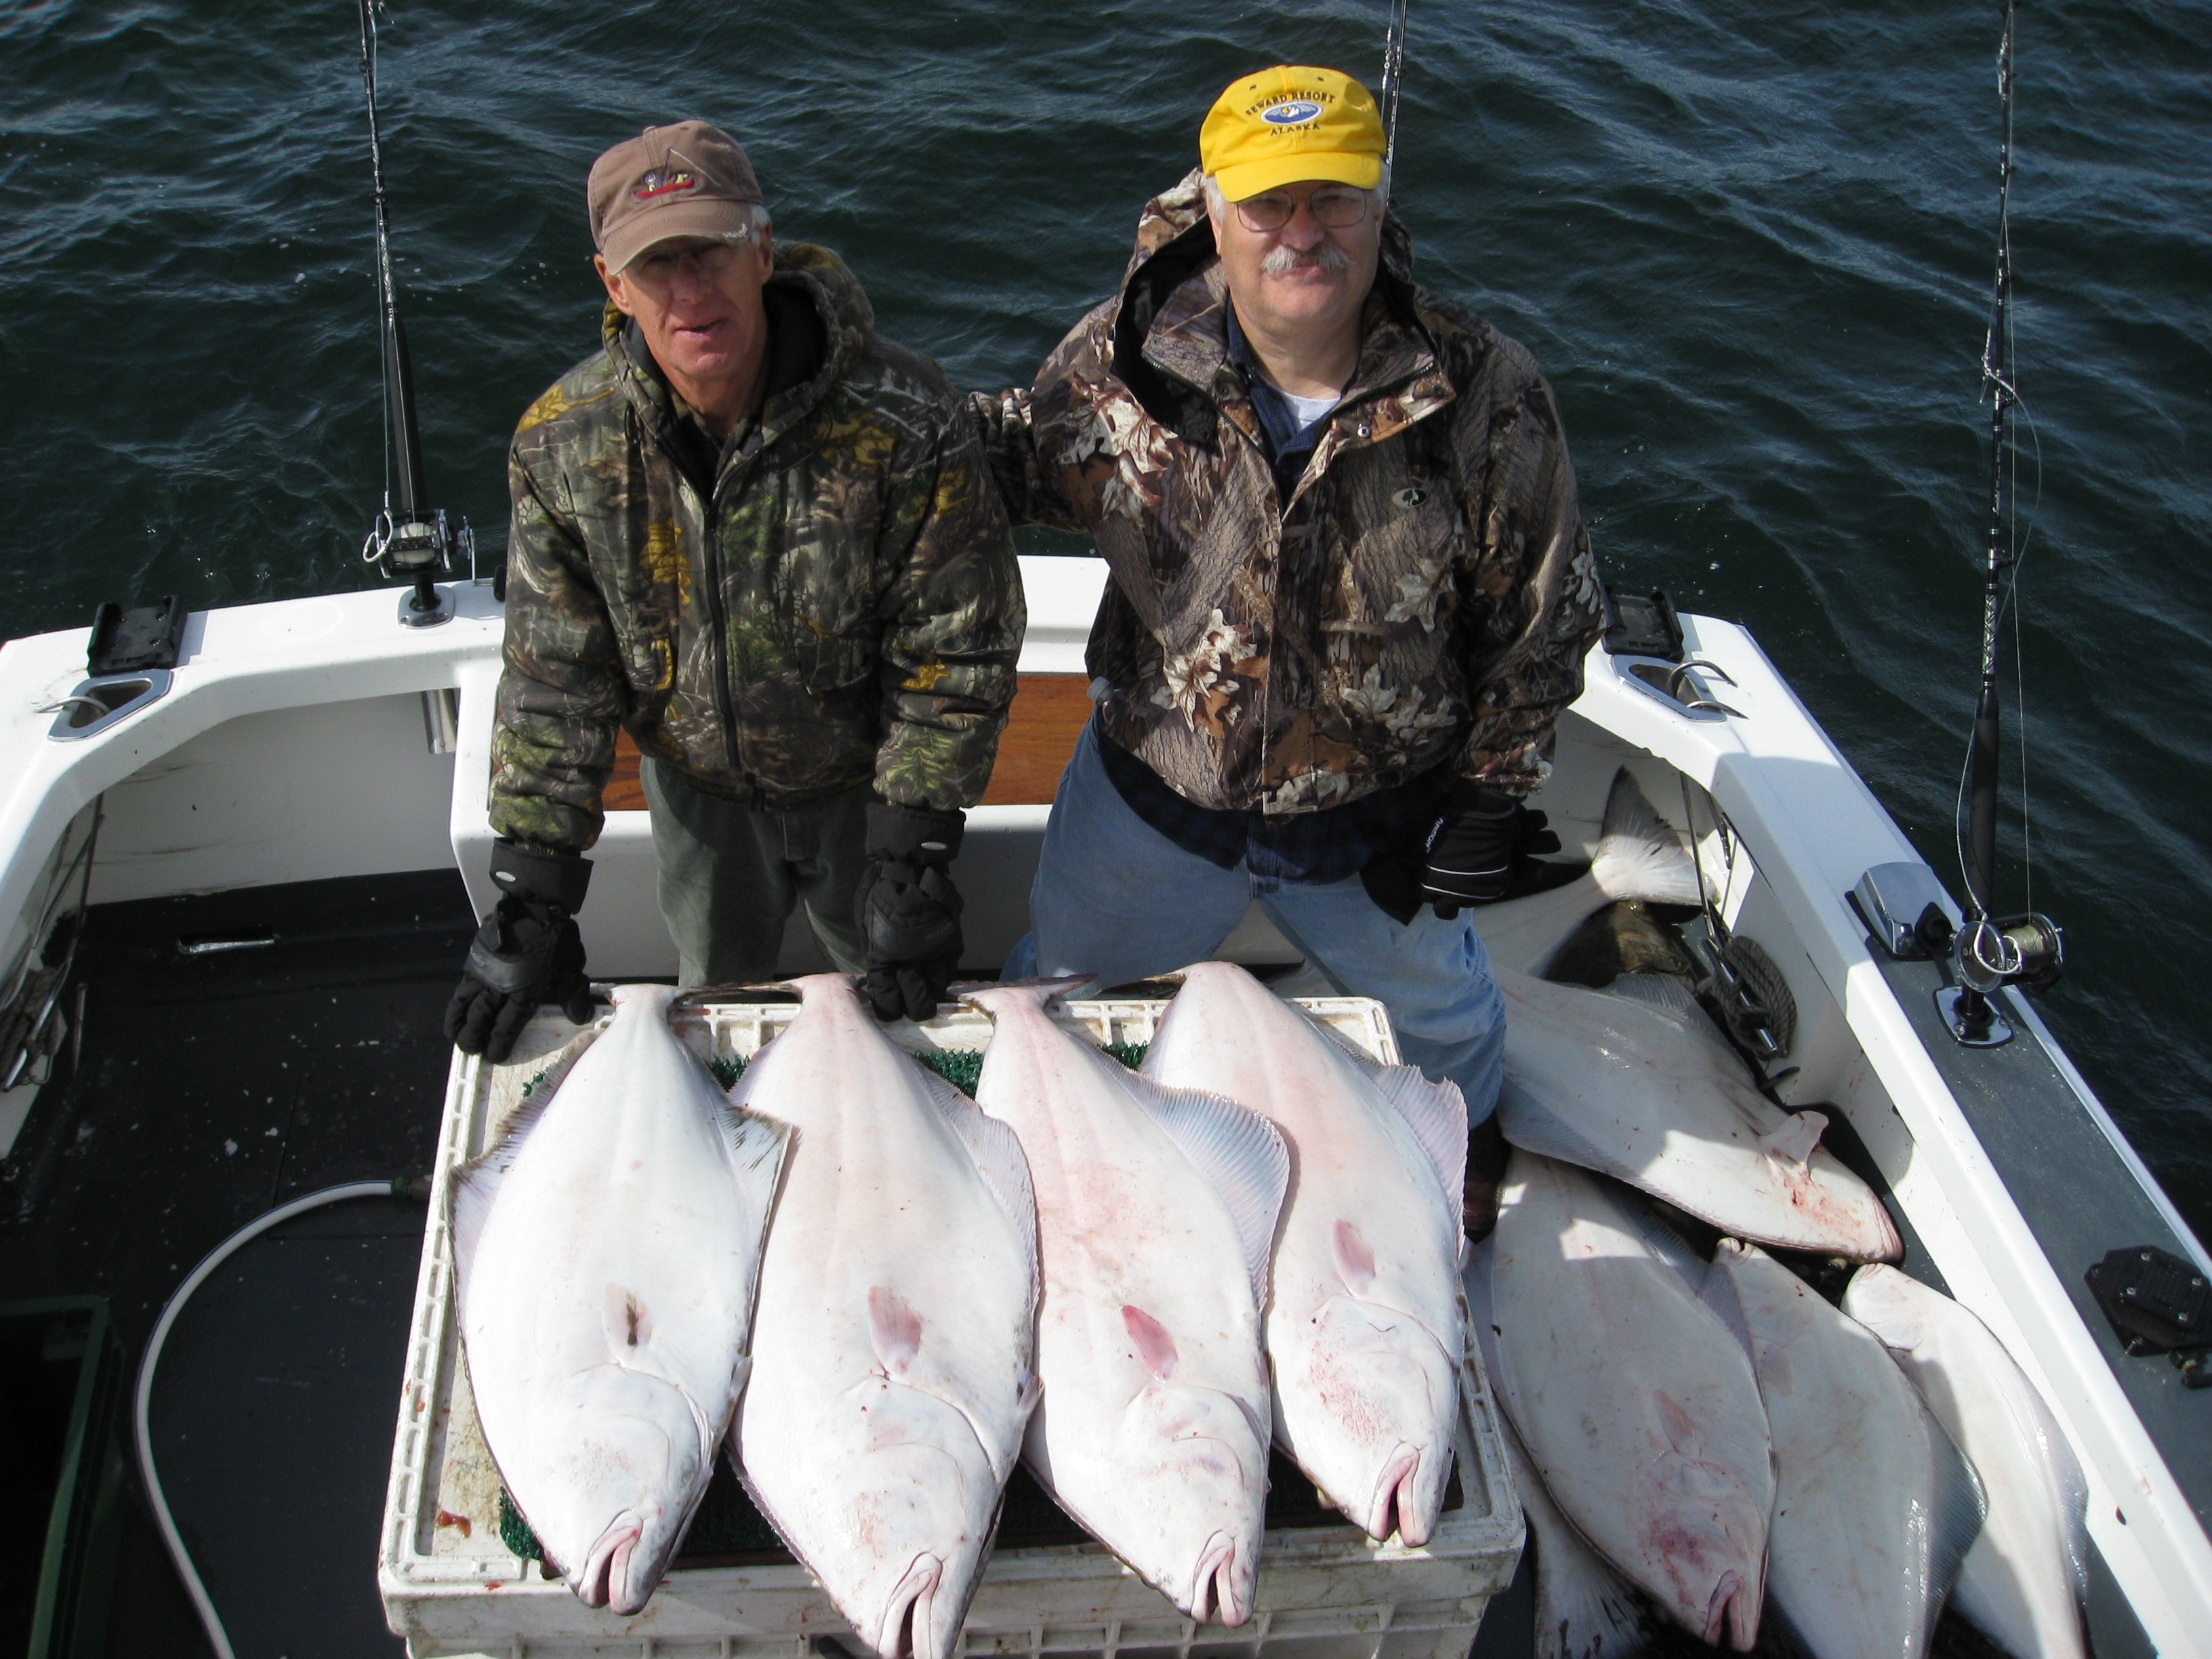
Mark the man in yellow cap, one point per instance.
(1351, 591)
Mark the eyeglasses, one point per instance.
(1334, 209)
(710, 261)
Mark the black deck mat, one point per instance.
(210, 1088)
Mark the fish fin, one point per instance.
(1437, 1113)
(894, 1329)
(2073, 1492)
(1719, 1293)
(996, 1151)
(1239, 1152)
(756, 1146)
(1355, 1260)
(1795, 1137)
(1663, 1239)
(1360, 1056)
(1639, 854)
(1156, 1344)
(1962, 1504)
(1663, 993)
(476, 1182)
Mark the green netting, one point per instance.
(1130, 1054)
(727, 1070)
(958, 1066)
(534, 1083)
(514, 1531)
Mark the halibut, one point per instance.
(1874, 1508)
(1584, 1609)
(1367, 1328)
(2025, 1581)
(1155, 1207)
(1637, 1405)
(1645, 1093)
(606, 1248)
(893, 1354)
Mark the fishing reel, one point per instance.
(419, 549)
(1986, 955)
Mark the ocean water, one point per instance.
(1751, 243)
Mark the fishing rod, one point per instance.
(411, 540)
(1989, 953)
(1394, 75)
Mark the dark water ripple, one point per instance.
(1750, 242)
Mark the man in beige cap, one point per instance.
(751, 531)
(1351, 591)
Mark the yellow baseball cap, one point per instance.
(1290, 123)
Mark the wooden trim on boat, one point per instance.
(1047, 716)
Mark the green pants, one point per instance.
(730, 874)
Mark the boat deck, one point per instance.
(200, 1091)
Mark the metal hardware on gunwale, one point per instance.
(1656, 677)
(93, 706)
(1894, 899)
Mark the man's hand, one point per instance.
(1471, 849)
(908, 910)
(527, 952)
(1483, 846)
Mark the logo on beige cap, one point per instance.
(662, 181)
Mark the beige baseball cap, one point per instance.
(684, 180)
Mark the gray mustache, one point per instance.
(1282, 261)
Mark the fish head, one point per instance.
(1384, 1396)
(611, 1503)
(1196, 1459)
(1707, 1531)
(915, 1499)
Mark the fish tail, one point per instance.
(1010, 994)
(1639, 856)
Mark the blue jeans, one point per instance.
(1117, 900)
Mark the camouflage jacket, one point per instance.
(1424, 597)
(842, 606)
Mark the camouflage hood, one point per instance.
(827, 601)
(1420, 596)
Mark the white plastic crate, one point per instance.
(452, 1588)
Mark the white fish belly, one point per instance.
(1152, 1430)
(1365, 1326)
(2021, 1584)
(1628, 1090)
(605, 1299)
(1860, 1471)
(892, 1345)
(1635, 1402)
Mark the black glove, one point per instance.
(908, 910)
(527, 952)
(1482, 846)
(1471, 849)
